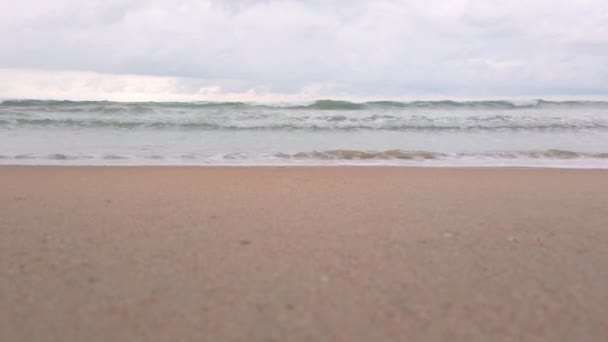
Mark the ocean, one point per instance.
(532, 133)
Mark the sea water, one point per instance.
(534, 133)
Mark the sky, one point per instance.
(271, 50)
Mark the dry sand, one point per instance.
(297, 254)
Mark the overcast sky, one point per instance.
(264, 50)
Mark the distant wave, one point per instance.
(316, 105)
(68, 103)
(322, 115)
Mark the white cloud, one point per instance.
(79, 85)
(496, 64)
(271, 48)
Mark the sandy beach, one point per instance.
(303, 254)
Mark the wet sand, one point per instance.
(303, 254)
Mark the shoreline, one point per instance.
(292, 166)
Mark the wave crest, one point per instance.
(318, 123)
(326, 104)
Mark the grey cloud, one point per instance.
(362, 47)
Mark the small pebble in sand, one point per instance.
(245, 242)
(513, 239)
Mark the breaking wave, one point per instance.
(325, 115)
(318, 105)
(427, 155)
(329, 155)
(291, 122)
